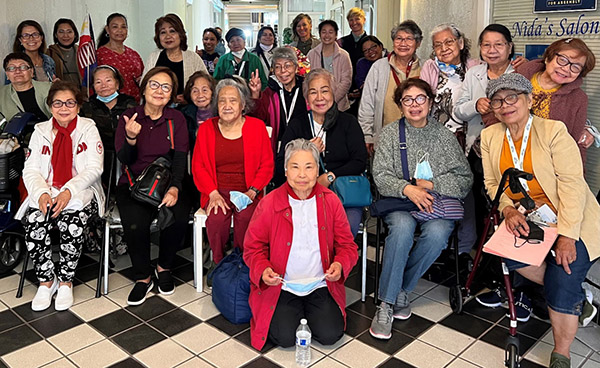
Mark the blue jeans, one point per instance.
(402, 268)
(354, 215)
(467, 230)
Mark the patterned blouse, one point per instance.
(541, 98)
(129, 64)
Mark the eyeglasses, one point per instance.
(420, 100)
(371, 49)
(65, 31)
(407, 40)
(166, 87)
(497, 46)
(23, 68)
(57, 104)
(564, 61)
(447, 44)
(34, 35)
(509, 100)
(288, 67)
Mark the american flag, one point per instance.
(86, 53)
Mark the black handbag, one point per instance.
(152, 184)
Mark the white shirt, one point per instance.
(305, 254)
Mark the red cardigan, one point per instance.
(568, 104)
(267, 244)
(258, 157)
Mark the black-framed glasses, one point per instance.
(447, 44)
(511, 99)
(166, 87)
(419, 99)
(23, 68)
(70, 103)
(562, 60)
(34, 35)
(371, 49)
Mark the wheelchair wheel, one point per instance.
(456, 299)
(511, 356)
(11, 251)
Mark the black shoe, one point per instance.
(138, 294)
(166, 285)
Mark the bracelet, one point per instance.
(131, 139)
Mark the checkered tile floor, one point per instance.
(186, 330)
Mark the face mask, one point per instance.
(423, 169)
(239, 199)
(265, 47)
(107, 99)
(238, 54)
(448, 69)
(303, 286)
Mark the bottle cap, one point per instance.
(303, 321)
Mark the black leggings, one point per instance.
(71, 226)
(136, 218)
(324, 318)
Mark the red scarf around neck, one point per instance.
(293, 194)
(62, 153)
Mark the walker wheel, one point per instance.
(511, 356)
(12, 248)
(456, 299)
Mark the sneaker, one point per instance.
(166, 285)
(381, 327)
(589, 310)
(523, 307)
(138, 294)
(43, 297)
(492, 299)
(402, 309)
(64, 298)
(559, 361)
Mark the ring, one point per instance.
(517, 227)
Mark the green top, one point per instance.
(252, 63)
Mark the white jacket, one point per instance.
(192, 63)
(88, 158)
(471, 90)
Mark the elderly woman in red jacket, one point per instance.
(231, 164)
(300, 250)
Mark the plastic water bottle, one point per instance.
(303, 336)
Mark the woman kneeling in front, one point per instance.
(300, 250)
(62, 177)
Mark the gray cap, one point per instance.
(512, 81)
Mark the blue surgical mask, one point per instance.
(107, 99)
(423, 169)
(239, 199)
(303, 286)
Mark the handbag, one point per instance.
(154, 181)
(444, 207)
(231, 288)
(353, 190)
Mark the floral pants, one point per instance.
(71, 228)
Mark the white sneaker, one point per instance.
(64, 298)
(43, 298)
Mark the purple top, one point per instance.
(362, 69)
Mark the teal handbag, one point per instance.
(353, 191)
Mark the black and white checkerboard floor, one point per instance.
(186, 330)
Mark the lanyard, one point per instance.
(518, 161)
(288, 115)
(408, 69)
(266, 61)
(312, 125)
(238, 68)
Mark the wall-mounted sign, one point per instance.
(533, 52)
(564, 27)
(546, 6)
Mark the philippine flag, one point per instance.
(86, 54)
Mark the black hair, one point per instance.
(103, 39)
(71, 24)
(257, 49)
(499, 28)
(329, 22)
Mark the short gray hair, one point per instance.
(409, 26)
(314, 74)
(238, 83)
(300, 144)
(465, 53)
(286, 53)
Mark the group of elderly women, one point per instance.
(423, 122)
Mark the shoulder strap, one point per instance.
(403, 147)
(171, 134)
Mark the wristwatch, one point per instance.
(254, 190)
(330, 177)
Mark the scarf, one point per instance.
(265, 48)
(62, 153)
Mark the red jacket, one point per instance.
(568, 104)
(258, 157)
(267, 244)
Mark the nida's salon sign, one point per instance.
(567, 26)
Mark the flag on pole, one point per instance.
(86, 53)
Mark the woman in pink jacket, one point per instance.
(300, 250)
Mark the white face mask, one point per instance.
(265, 47)
(238, 54)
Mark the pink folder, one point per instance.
(502, 244)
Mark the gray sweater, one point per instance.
(451, 173)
